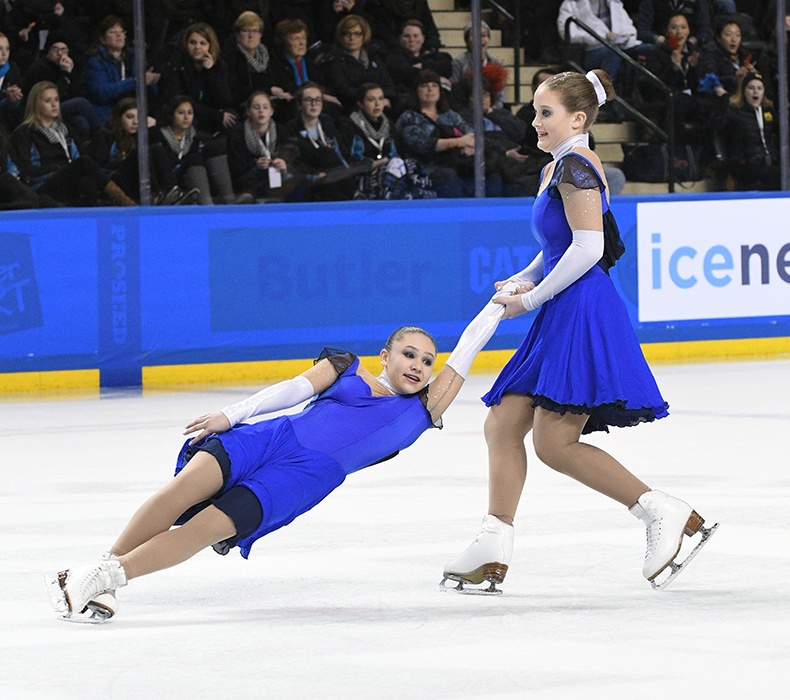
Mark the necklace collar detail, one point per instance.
(569, 144)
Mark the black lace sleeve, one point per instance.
(575, 170)
(341, 360)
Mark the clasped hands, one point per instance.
(510, 298)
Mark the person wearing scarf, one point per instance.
(248, 59)
(253, 149)
(49, 160)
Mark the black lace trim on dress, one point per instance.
(341, 359)
(576, 170)
(601, 417)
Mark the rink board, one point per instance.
(182, 295)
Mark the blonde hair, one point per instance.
(349, 22)
(32, 113)
(248, 19)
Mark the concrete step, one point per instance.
(441, 6)
(450, 20)
(663, 188)
(453, 39)
(614, 133)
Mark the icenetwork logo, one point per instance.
(713, 259)
(20, 307)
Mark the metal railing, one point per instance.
(667, 136)
(515, 18)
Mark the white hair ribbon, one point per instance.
(600, 92)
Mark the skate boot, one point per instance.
(667, 519)
(73, 589)
(486, 559)
(103, 606)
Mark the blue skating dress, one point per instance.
(581, 353)
(291, 463)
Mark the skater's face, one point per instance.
(129, 120)
(409, 363)
(412, 39)
(553, 122)
(260, 112)
(753, 93)
(183, 117)
(373, 103)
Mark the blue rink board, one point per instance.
(119, 289)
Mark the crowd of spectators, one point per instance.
(319, 100)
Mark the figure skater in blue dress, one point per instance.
(580, 367)
(236, 482)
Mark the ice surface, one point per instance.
(345, 602)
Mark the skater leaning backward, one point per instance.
(236, 482)
(580, 367)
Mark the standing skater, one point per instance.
(236, 482)
(580, 367)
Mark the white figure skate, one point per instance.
(486, 559)
(72, 591)
(667, 519)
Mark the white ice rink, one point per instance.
(344, 603)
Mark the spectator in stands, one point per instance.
(436, 136)
(330, 12)
(609, 19)
(29, 21)
(110, 72)
(59, 67)
(350, 64)
(751, 136)
(49, 160)
(198, 72)
(248, 59)
(304, 11)
(291, 68)
(11, 95)
(463, 64)
(322, 151)
(676, 62)
(725, 63)
(224, 14)
(390, 176)
(197, 160)
(388, 16)
(405, 62)
(114, 148)
(13, 193)
(653, 18)
(504, 134)
(255, 150)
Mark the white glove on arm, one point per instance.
(583, 253)
(477, 334)
(532, 272)
(273, 398)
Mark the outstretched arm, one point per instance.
(450, 379)
(282, 395)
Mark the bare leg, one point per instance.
(200, 479)
(506, 426)
(557, 445)
(175, 546)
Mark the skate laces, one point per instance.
(97, 580)
(653, 534)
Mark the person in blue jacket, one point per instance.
(236, 482)
(109, 73)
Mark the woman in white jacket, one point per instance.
(607, 18)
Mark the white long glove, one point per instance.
(273, 398)
(477, 334)
(583, 253)
(532, 272)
